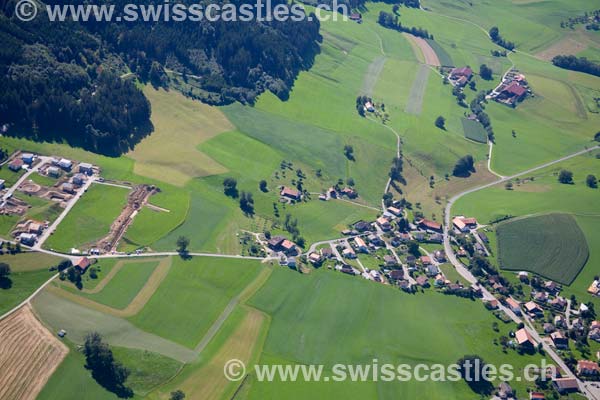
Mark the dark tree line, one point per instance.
(60, 81)
(391, 21)
(580, 64)
(499, 40)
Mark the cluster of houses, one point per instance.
(334, 193)
(21, 161)
(513, 89)
(27, 232)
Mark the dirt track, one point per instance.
(29, 355)
(420, 44)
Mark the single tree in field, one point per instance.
(486, 72)
(565, 176)
(182, 244)
(440, 122)
(230, 187)
(508, 185)
(464, 166)
(473, 85)
(597, 137)
(350, 181)
(263, 186)
(591, 181)
(177, 395)
(349, 152)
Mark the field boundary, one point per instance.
(135, 306)
(421, 46)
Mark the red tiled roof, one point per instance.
(83, 263)
(286, 191)
(515, 89)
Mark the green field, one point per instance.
(550, 245)
(362, 324)
(124, 285)
(192, 296)
(28, 272)
(87, 222)
(474, 131)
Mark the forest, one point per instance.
(63, 79)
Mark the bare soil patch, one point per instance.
(429, 55)
(566, 46)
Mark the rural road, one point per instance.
(462, 269)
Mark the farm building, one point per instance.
(290, 193)
(35, 227)
(429, 225)
(289, 247)
(86, 168)
(511, 94)
(68, 188)
(395, 211)
(565, 385)
(383, 223)
(82, 264)
(348, 253)
(79, 179)
(513, 305)
(587, 368)
(351, 193)
(356, 17)
(53, 172)
(314, 258)
(560, 341)
(524, 338)
(464, 224)
(65, 164)
(326, 252)
(27, 158)
(16, 164)
(360, 245)
(464, 72)
(369, 107)
(533, 309)
(27, 239)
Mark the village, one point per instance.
(409, 255)
(60, 182)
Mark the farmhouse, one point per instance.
(357, 17)
(289, 247)
(390, 261)
(396, 275)
(422, 281)
(587, 368)
(524, 338)
(348, 253)
(275, 242)
(513, 305)
(533, 309)
(82, 264)
(16, 164)
(425, 260)
(314, 258)
(395, 211)
(326, 252)
(360, 244)
(511, 94)
(290, 193)
(349, 192)
(463, 72)
(362, 226)
(429, 225)
(560, 341)
(369, 107)
(383, 223)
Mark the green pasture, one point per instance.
(474, 130)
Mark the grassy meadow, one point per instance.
(86, 221)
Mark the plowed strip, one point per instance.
(29, 355)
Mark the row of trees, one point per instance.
(391, 21)
(499, 40)
(580, 64)
(566, 177)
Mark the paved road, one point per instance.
(35, 168)
(461, 269)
